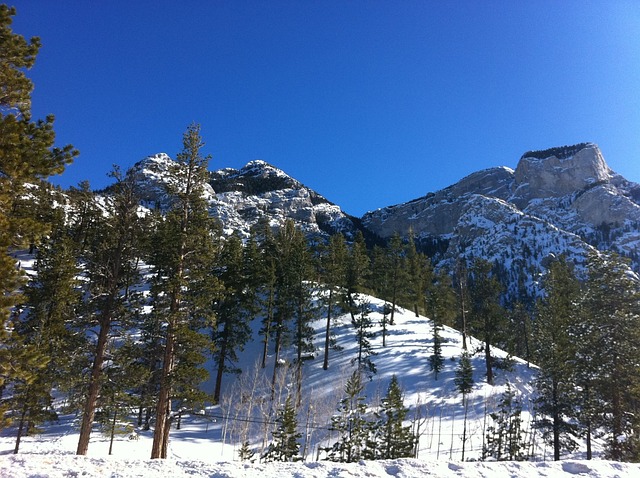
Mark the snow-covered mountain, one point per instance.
(258, 193)
(560, 200)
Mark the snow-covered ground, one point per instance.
(207, 442)
(64, 466)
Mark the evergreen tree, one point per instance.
(397, 275)
(332, 263)
(285, 445)
(292, 297)
(440, 305)
(265, 274)
(245, 453)
(232, 330)
(419, 274)
(390, 438)
(609, 352)
(362, 324)
(27, 159)
(436, 360)
(461, 284)
(350, 423)
(440, 299)
(505, 437)
(110, 257)
(464, 385)
(555, 384)
(182, 258)
(356, 273)
(487, 314)
(43, 338)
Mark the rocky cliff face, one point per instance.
(561, 200)
(258, 193)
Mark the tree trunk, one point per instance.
(113, 429)
(89, 411)
(221, 359)
(20, 429)
(556, 422)
(163, 408)
(325, 364)
(489, 362)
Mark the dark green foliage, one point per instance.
(487, 317)
(290, 296)
(44, 344)
(464, 384)
(608, 354)
(234, 310)
(389, 438)
(110, 258)
(436, 360)
(362, 323)
(183, 254)
(285, 445)
(505, 437)
(464, 375)
(27, 159)
(556, 403)
(560, 152)
(332, 271)
(419, 274)
(350, 423)
(245, 453)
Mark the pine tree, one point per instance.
(555, 383)
(419, 274)
(362, 324)
(232, 330)
(436, 360)
(183, 256)
(396, 271)
(350, 423)
(285, 445)
(505, 437)
(440, 305)
(245, 453)
(390, 439)
(43, 339)
(487, 314)
(27, 159)
(109, 259)
(332, 263)
(464, 385)
(609, 351)
(357, 272)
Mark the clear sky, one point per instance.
(371, 103)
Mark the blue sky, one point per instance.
(369, 103)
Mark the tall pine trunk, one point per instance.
(325, 364)
(163, 407)
(93, 393)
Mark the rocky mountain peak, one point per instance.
(557, 172)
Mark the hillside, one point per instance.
(207, 442)
(217, 432)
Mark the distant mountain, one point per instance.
(256, 194)
(559, 200)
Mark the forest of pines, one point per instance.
(126, 305)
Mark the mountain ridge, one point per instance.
(559, 200)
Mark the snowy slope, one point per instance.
(245, 411)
